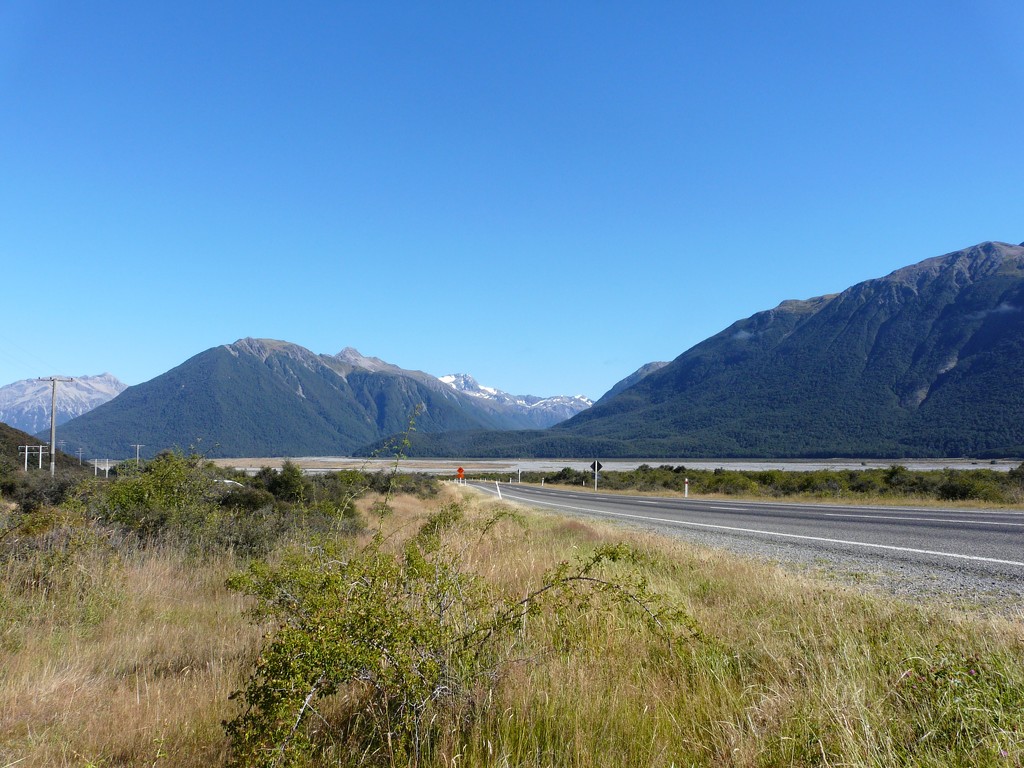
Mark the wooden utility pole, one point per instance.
(53, 421)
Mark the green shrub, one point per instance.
(249, 499)
(37, 489)
(961, 486)
(172, 494)
(418, 484)
(181, 499)
(378, 653)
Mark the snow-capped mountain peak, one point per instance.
(542, 411)
(463, 382)
(25, 404)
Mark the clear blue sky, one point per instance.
(545, 195)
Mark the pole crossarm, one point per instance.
(28, 450)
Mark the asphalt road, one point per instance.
(983, 543)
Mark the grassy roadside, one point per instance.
(788, 671)
(114, 655)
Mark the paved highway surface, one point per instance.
(987, 545)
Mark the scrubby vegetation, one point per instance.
(180, 615)
(896, 483)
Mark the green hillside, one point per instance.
(262, 397)
(11, 439)
(927, 361)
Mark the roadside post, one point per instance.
(686, 488)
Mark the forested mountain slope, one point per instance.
(927, 361)
(263, 397)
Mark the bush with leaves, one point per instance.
(896, 481)
(380, 648)
(418, 484)
(184, 500)
(287, 483)
(37, 489)
(170, 495)
(965, 486)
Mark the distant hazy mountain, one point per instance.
(26, 404)
(928, 361)
(262, 397)
(529, 411)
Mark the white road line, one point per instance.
(662, 520)
(924, 519)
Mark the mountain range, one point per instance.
(532, 411)
(263, 397)
(927, 361)
(26, 404)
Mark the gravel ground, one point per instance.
(952, 584)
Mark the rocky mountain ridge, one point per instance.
(25, 405)
(537, 412)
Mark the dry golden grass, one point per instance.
(123, 659)
(111, 657)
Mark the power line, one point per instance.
(22, 357)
